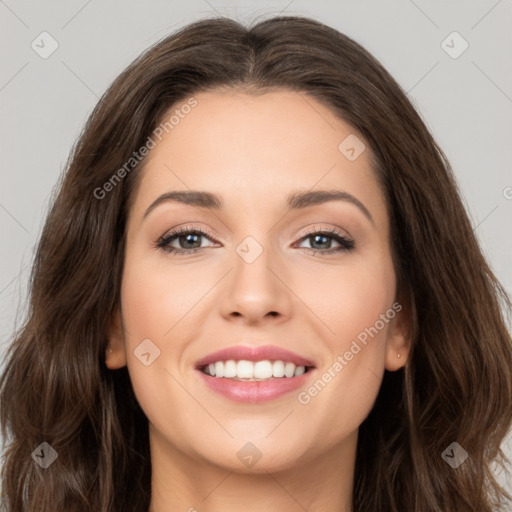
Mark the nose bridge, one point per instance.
(254, 256)
(254, 289)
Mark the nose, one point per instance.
(256, 291)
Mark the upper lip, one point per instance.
(249, 353)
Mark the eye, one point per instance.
(323, 237)
(189, 241)
(189, 238)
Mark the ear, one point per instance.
(399, 337)
(115, 356)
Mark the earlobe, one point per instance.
(399, 340)
(115, 354)
(396, 360)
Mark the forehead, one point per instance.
(254, 149)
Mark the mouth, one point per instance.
(254, 375)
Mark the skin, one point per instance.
(253, 151)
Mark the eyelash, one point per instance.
(346, 244)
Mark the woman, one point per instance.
(257, 372)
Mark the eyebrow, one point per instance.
(295, 201)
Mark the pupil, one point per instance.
(187, 237)
(321, 237)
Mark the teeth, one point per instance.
(299, 370)
(244, 369)
(229, 369)
(289, 370)
(248, 370)
(278, 368)
(219, 369)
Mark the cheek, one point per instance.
(150, 312)
(352, 299)
(157, 295)
(356, 306)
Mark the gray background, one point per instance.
(466, 102)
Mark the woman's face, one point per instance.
(261, 277)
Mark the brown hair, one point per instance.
(458, 380)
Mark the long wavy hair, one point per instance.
(456, 386)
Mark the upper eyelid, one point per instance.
(330, 230)
(188, 229)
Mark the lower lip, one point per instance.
(254, 391)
